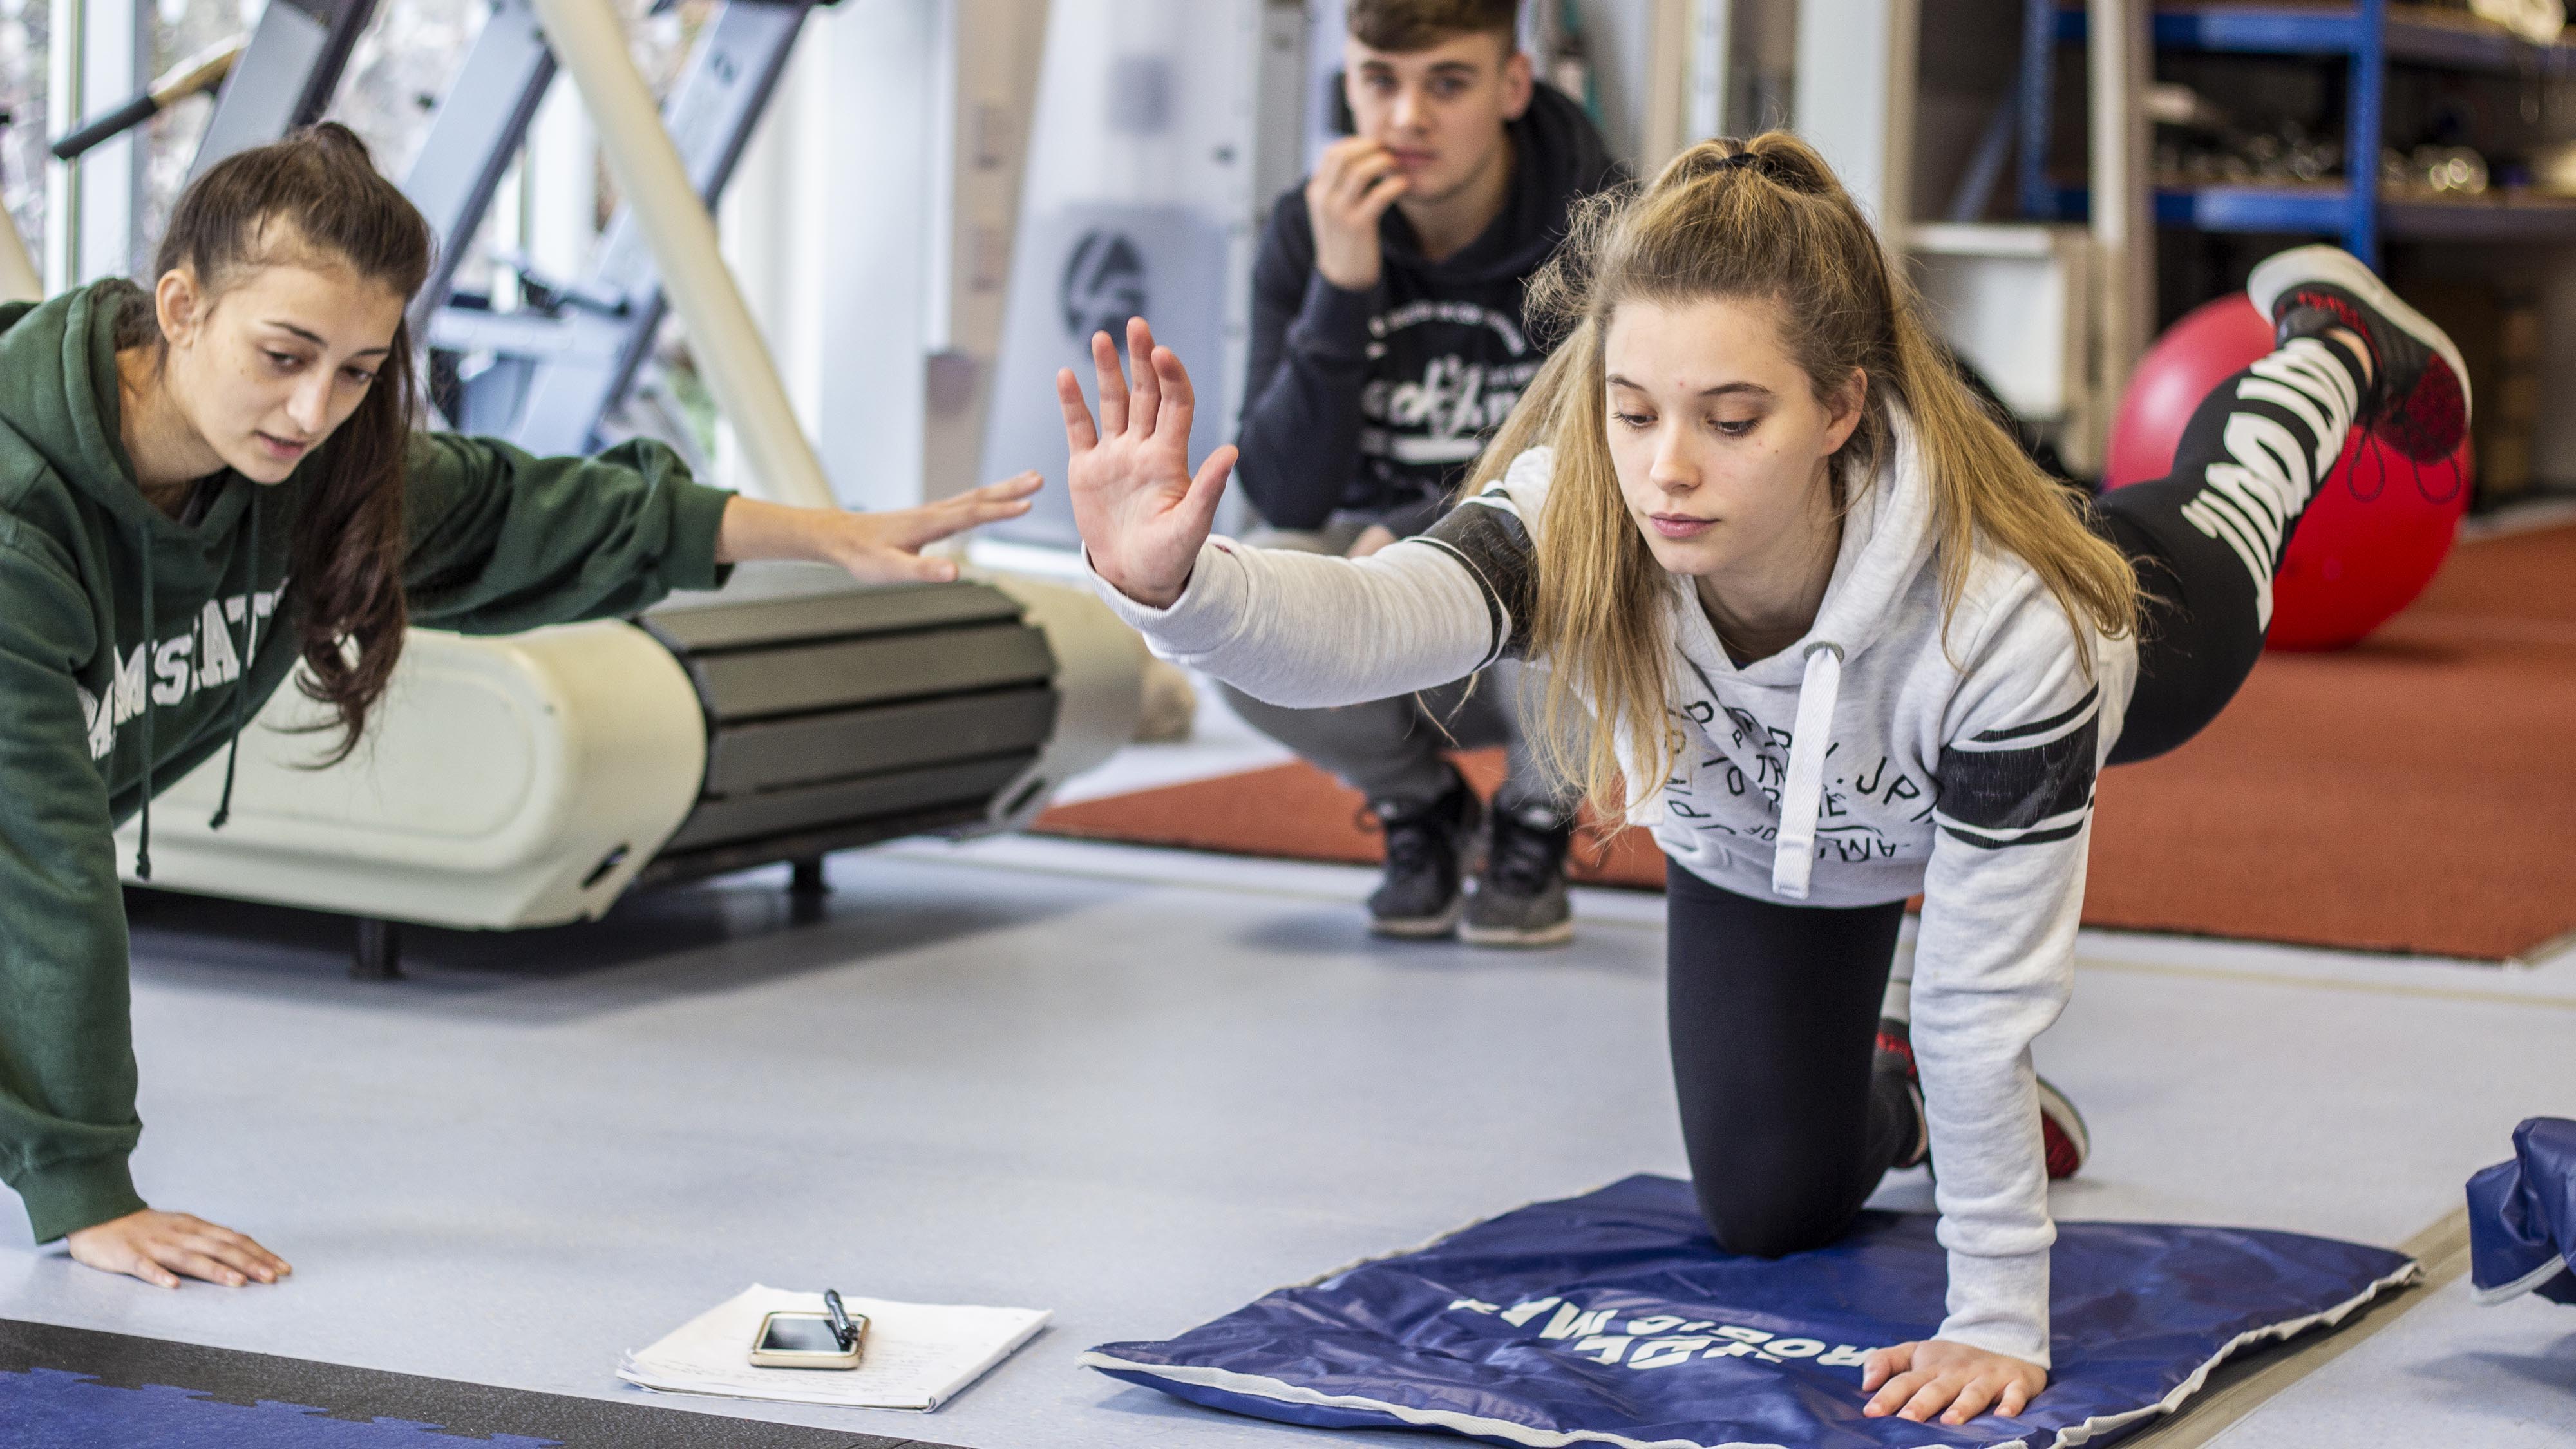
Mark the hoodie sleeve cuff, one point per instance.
(1208, 612)
(2000, 1305)
(1333, 324)
(697, 516)
(65, 1197)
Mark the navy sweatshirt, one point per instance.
(1377, 402)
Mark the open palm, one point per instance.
(1141, 512)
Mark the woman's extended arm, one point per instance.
(871, 547)
(502, 540)
(1292, 628)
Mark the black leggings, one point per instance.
(1789, 1115)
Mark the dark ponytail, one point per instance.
(316, 196)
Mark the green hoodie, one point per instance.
(123, 640)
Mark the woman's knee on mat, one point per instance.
(1771, 1219)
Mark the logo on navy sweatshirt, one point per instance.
(166, 672)
(1444, 375)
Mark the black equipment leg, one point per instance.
(805, 878)
(808, 893)
(379, 954)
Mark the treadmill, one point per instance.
(530, 780)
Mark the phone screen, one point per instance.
(797, 1333)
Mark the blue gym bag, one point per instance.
(1612, 1318)
(2522, 1217)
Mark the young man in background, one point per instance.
(1387, 344)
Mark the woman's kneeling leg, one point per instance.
(1773, 1012)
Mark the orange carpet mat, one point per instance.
(2416, 793)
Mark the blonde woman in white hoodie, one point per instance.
(1844, 644)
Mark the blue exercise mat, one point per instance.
(1613, 1318)
(2522, 1217)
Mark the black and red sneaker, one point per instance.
(1896, 1057)
(2418, 401)
(2064, 1140)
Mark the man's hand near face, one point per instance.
(1353, 185)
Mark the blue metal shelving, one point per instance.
(2406, 38)
(2370, 39)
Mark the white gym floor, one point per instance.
(1140, 1088)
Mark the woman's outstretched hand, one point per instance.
(160, 1248)
(1141, 513)
(1918, 1380)
(876, 548)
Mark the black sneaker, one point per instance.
(1520, 899)
(1429, 850)
(2064, 1141)
(2418, 401)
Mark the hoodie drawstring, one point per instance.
(241, 681)
(151, 625)
(1802, 793)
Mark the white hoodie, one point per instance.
(1888, 758)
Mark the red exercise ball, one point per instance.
(2370, 540)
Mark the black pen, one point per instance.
(841, 1326)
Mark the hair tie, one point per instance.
(1739, 160)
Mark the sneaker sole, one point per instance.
(2337, 267)
(1560, 934)
(1418, 928)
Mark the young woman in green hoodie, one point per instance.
(205, 484)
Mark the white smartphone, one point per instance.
(809, 1341)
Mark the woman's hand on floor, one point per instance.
(160, 1247)
(1918, 1380)
(875, 548)
(1141, 513)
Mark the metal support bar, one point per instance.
(1976, 189)
(477, 130)
(2120, 63)
(591, 45)
(285, 76)
(2361, 132)
(2038, 108)
(559, 365)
